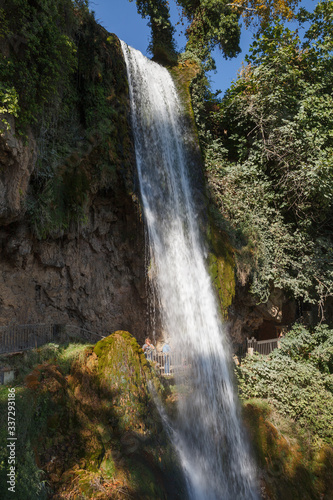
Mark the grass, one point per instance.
(24, 362)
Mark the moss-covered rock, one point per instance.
(183, 74)
(292, 466)
(221, 264)
(93, 428)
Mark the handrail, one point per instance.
(264, 347)
(267, 341)
(17, 338)
(5, 327)
(168, 363)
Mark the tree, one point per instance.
(162, 44)
(268, 154)
(262, 12)
(212, 23)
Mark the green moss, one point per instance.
(108, 466)
(292, 467)
(183, 73)
(79, 114)
(221, 264)
(90, 408)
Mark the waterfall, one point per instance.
(208, 434)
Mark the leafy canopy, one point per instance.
(211, 23)
(268, 155)
(162, 44)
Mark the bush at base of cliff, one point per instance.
(92, 426)
(296, 379)
(290, 420)
(291, 466)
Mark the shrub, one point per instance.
(296, 379)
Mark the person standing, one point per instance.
(166, 350)
(148, 349)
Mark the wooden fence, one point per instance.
(16, 338)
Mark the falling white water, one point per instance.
(208, 435)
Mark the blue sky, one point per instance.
(120, 17)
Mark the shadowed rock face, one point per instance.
(93, 277)
(17, 162)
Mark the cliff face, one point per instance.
(17, 161)
(93, 276)
(71, 236)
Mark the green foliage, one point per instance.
(89, 420)
(29, 479)
(216, 23)
(296, 379)
(24, 363)
(268, 155)
(32, 413)
(58, 201)
(8, 105)
(63, 78)
(162, 44)
(40, 53)
(294, 466)
(212, 24)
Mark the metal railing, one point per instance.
(252, 345)
(73, 331)
(16, 338)
(168, 363)
(264, 347)
(176, 362)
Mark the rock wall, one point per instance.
(17, 161)
(92, 272)
(264, 321)
(93, 276)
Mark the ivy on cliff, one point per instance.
(60, 78)
(38, 52)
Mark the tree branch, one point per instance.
(240, 6)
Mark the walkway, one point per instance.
(17, 338)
